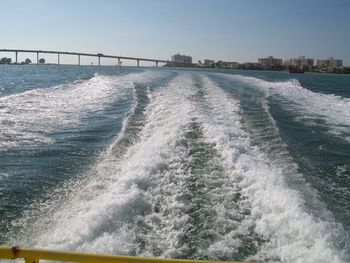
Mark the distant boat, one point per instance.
(295, 70)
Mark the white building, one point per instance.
(270, 61)
(209, 62)
(235, 65)
(301, 61)
(329, 63)
(183, 59)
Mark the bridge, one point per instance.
(78, 54)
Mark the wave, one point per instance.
(30, 117)
(312, 108)
(277, 212)
(190, 185)
(102, 209)
(264, 133)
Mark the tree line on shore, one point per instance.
(6, 60)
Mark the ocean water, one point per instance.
(199, 164)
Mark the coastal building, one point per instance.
(181, 59)
(329, 63)
(247, 65)
(270, 62)
(209, 62)
(301, 61)
(224, 65)
(252, 66)
(235, 65)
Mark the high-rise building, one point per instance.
(270, 61)
(301, 61)
(182, 59)
(329, 63)
(209, 62)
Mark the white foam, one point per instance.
(311, 106)
(30, 116)
(103, 212)
(277, 212)
(100, 214)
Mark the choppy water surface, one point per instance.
(234, 165)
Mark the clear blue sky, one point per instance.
(230, 30)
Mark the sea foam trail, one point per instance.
(311, 106)
(100, 215)
(278, 214)
(191, 185)
(259, 123)
(30, 116)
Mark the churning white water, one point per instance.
(190, 184)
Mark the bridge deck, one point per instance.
(99, 55)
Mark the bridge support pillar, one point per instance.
(16, 57)
(156, 63)
(138, 63)
(99, 61)
(119, 62)
(58, 58)
(79, 60)
(37, 58)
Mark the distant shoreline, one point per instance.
(183, 67)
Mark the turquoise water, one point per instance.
(208, 164)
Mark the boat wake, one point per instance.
(184, 180)
(329, 111)
(32, 116)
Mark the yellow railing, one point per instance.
(33, 255)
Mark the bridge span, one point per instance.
(98, 55)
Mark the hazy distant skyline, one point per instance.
(229, 30)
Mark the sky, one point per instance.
(228, 30)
